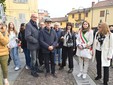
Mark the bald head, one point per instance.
(34, 17)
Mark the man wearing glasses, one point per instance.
(31, 36)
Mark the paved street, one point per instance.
(23, 77)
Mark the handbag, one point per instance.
(86, 52)
(70, 43)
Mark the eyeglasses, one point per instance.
(35, 17)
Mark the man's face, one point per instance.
(48, 24)
(56, 26)
(34, 17)
(42, 25)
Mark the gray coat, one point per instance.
(31, 36)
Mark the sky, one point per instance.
(59, 8)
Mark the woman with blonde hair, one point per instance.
(13, 45)
(103, 50)
(84, 42)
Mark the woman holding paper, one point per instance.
(84, 42)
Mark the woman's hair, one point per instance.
(69, 24)
(22, 24)
(88, 25)
(105, 28)
(9, 28)
(3, 25)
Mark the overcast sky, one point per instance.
(59, 8)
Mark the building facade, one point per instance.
(19, 11)
(61, 20)
(42, 14)
(99, 12)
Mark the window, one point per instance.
(86, 14)
(79, 16)
(20, 1)
(73, 16)
(102, 13)
(22, 17)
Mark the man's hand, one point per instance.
(50, 48)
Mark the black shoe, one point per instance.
(34, 74)
(59, 64)
(39, 70)
(70, 70)
(54, 75)
(97, 78)
(47, 74)
(61, 68)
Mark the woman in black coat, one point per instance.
(68, 45)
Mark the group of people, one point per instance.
(44, 45)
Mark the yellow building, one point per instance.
(102, 12)
(19, 11)
(78, 16)
(61, 20)
(99, 12)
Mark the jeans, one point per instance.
(27, 56)
(34, 60)
(15, 56)
(58, 53)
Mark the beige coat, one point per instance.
(107, 49)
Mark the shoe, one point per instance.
(47, 74)
(6, 82)
(34, 74)
(26, 67)
(17, 68)
(59, 64)
(39, 71)
(54, 75)
(97, 78)
(61, 68)
(70, 70)
(79, 75)
(84, 76)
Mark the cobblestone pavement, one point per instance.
(92, 73)
(63, 78)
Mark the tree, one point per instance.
(2, 1)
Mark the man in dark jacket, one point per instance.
(32, 38)
(48, 42)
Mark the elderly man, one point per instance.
(48, 42)
(32, 38)
(58, 49)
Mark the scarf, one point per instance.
(34, 24)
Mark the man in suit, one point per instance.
(32, 38)
(48, 42)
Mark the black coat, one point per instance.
(73, 38)
(21, 37)
(47, 39)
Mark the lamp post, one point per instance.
(106, 13)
